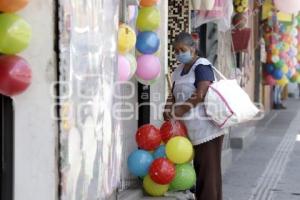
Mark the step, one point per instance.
(241, 137)
(135, 194)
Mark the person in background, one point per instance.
(191, 80)
(277, 99)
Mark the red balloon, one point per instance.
(270, 80)
(162, 171)
(170, 129)
(15, 75)
(148, 137)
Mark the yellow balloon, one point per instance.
(192, 157)
(285, 69)
(275, 52)
(126, 38)
(179, 150)
(153, 188)
(282, 82)
(148, 19)
(298, 57)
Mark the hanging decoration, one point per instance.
(163, 158)
(148, 67)
(148, 19)
(126, 43)
(148, 43)
(12, 5)
(148, 3)
(126, 39)
(123, 68)
(240, 33)
(283, 50)
(15, 75)
(15, 34)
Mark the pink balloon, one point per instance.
(123, 68)
(288, 6)
(148, 67)
(270, 80)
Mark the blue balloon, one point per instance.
(160, 152)
(139, 162)
(269, 68)
(277, 74)
(147, 42)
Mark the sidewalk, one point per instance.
(269, 169)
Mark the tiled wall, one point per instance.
(178, 21)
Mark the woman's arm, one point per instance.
(168, 107)
(180, 109)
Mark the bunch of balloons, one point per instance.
(126, 62)
(295, 75)
(283, 53)
(148, 42)
(163, 158)
(15, 36)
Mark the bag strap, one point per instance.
(219, 73)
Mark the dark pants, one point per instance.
(207, 163)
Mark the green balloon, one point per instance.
(185, 177)
(148, 19)
(15, 34)
(279, 64)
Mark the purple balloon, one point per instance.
(148, 67)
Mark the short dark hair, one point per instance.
(185, 38)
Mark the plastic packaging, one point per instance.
(90, 138)
(220, 14)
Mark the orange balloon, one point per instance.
(12, 5)
(148, 3)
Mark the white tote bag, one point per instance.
(227, 104)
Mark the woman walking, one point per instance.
(191, 80)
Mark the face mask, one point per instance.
(185, 57)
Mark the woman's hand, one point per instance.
(167, 115)
(178, 111)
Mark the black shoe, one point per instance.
(276, 106)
